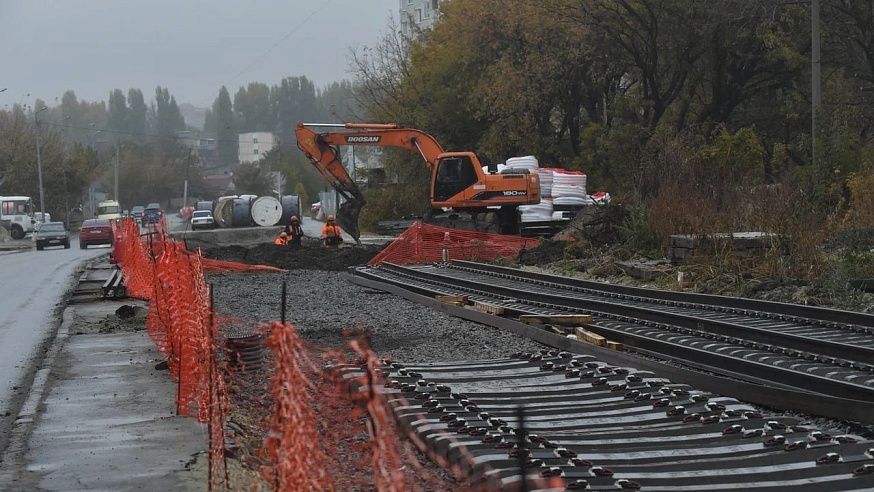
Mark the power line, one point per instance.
(287, 35)
(136, 134)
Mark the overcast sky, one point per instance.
(191, 47)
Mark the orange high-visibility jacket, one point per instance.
(329, 230)
(280, 241)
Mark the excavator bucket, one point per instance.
(347, 217)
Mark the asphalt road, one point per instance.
(33, 285)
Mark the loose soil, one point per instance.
(311, 255)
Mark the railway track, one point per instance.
(562, 421)
(797, 357)
(582, 417)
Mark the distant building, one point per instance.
(204, 144)
(194, 117)
(254, 145)
(418, 16)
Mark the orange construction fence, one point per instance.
(311, 409)
(425, 243)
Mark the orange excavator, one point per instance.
(463, 196)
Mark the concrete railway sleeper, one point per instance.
(807, 382)
(596, 425)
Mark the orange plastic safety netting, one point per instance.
(425, 243)
(184, 315)
(297, 460)
(131, 251)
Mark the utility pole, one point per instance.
(185, 186)
(278, 167)
(42, 197)
(117, 145)
(816, 74)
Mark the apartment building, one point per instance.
(418, 16)
(254, 145)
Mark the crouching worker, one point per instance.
(282, 240)
(331, 233)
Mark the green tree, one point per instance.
(137, 115)
(118, 112)
(168, 119)
(292, 101)
(252, 109)
(225, 129)
(250, 179)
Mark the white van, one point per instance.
(16, 214)
(109, 209)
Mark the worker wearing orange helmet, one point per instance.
(294, 232)
(282, 240)
(331, 233)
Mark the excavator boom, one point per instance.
(321, 151)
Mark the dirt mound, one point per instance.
(548, 251)
(312, 255)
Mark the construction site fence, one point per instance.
(315, 396)
(425, 243)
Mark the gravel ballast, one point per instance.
(322, 304)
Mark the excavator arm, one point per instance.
(320, 149)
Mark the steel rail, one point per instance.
(827, 316)
(712, 361)
(825, 351)
(688, 316)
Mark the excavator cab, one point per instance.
(453, 175)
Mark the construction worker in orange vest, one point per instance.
(294, 232)
(282, 240)
(331, 233)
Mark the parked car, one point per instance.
(202, 219)
(152, 214)
(40, 219)
(52, 234)
(95, 231)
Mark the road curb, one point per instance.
(12, 460)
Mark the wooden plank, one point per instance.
(532, 319)
(556, 319)
(598, 340)
(461, 299)
(614, 345)
(488, 308)
(561, 330)
(589, 337)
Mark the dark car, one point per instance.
(152, 214)
(52, 234)
(95, 231)
(137, 213)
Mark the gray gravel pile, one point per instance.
(322, 305)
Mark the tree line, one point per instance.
(84, 143)
(697, 112)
